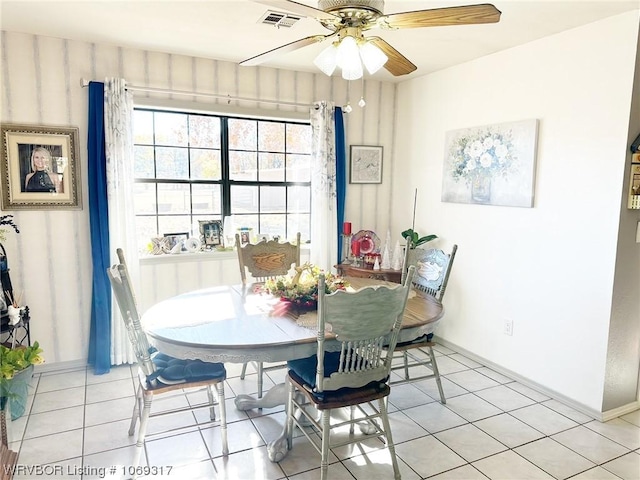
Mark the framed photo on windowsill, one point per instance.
(366, 164)
(211, 233)
(39, 168)
(175, 238)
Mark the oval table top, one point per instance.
(241, 324)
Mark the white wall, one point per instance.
(550, 268)
(50, 259)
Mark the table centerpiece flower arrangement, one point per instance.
(301, 289)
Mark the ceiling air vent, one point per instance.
(279, 19)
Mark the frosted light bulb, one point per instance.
(362, 103)
(348, 108)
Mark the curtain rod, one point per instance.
(85, 83)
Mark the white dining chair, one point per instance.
(354, 375)
(433, 267)
(160, 374)
(266, 260)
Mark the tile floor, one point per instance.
(491, 427)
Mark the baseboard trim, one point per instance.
(618, 412)
(59, 367)
(595, 414)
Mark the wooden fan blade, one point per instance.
(299, 8)
(397, 64)
(437, 17)
(289, 47)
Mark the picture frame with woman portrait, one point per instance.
(39, 167)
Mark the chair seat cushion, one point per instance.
(342, 397)
(172, 371)
(305, 368)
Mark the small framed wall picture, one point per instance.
(365, 164)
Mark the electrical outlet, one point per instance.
(508, 327)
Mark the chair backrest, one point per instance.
(267, 259)
(125, 298)
(366, 323)
(433, 267)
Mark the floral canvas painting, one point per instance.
(491, 165)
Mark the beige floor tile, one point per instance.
(471, 380)
(119, 372)
(618, 430)
(434, 417)
(62, 381)
(377, 465)
(596, 473)
(626, 467)
(428, 456)
(406, 396)
(303, 457)
(554, 458)
(183, 449)
(472, 408)
(509, 465)
(55, 400)
(47, 423)
(107, 436)
(543, 419)
(508, 430)
(529, 392)
(241, 436)
(470, 442)
(492, 374)
(504, 398)
(252, 463)
(51, 448)
(117, 463)
(109, 411)
(633, 417)
(431, 388)
(466, 472)
(567, 411)
(99, 392)
(590, 444)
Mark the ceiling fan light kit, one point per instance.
(349, 19)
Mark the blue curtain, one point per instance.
(100, 333)
(341, 174)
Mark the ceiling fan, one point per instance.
(349, 19)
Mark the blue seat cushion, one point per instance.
(305, 368)
(171, 371)
(303, 372)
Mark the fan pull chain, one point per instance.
(362, 103)
(347, 107)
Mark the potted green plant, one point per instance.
(414, 239)
(16, 366)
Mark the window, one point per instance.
(191, 167)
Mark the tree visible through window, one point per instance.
(191, 167)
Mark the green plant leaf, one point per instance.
(415, 238)
(425, 239)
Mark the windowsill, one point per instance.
(205, 256)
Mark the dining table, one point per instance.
(244, 323)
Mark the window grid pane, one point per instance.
(181, 177)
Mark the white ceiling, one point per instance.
(229, 30)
